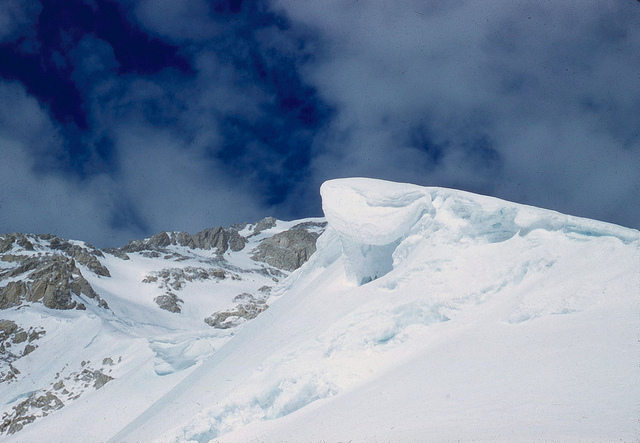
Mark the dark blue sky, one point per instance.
(119, 119)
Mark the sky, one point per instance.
(120, 119)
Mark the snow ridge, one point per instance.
(412, 281)
(421, 309)
(374, 218)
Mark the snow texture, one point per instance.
(426, 314)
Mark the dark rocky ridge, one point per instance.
(288, 250)
(44, 269)
(219, 238)
(86, 255)
(51, 280)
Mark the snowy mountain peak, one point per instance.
(418, 313)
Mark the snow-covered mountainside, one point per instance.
(425, 314)
(74, 318)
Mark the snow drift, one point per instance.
(373, 217)
(426, 314)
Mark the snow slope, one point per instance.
(141, 349)
(426, 314)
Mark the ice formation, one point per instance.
(372, 217)
(378, 222)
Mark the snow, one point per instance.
(426, 314)
(371, 211)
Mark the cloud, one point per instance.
(163, 186)
(34, 202)
(143, 116)
(179, 115)
(15, 16)
(139, 142)
(249, 101)
(534, 102)
(175, 188)
(179, 20)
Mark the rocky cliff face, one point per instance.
(44, 269)
(289, 249)
(282, 251)
(219, 239)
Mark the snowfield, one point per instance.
(426, 314)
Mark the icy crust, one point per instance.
(379, 222)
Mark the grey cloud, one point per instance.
(162, 182)
(174, 187)
(534, 102)
(177, 19)
(15, 16)
(92, 58)
(45, 202)
(150, 161)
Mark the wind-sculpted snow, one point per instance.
(379, 222)
(371, 211)
(467, 298)
(424, 314)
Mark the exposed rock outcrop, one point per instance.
(7, 241)
(15, 342)
(248, 308)
(86, 255)
(21, 413)
(212, 238)
(12, 294)
(44, 269)
(156, 242)
(219, 238)
(52, 281)
(175, 279)
(288, 250)
(264, 224)
(117, 253)
(222, 240)
(169, 302)
(63, 391)
(236, 241)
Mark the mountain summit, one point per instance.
(408, 314)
